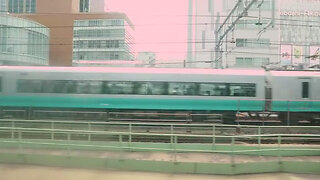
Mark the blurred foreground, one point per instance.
(14, 172)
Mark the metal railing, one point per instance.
(169, 128)
(17, 133)
(69, 140)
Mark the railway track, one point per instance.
(165, 128)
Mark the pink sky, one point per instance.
(160, 26)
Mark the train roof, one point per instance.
(296, 73)
(245, 72)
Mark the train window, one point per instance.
(88, 87)
(48, 86)
(29, 86)
(150, 88)
(242, 89)
(59, 86)
(182, 88)
(140, 88)
(118, 88)
(190, 89)
(175, 88)
(213, 89)
(305, 89)
(96, 87)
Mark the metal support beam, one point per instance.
(229, 28)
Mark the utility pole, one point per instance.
(190, 33)
(219, 38)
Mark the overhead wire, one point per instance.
(271, 43)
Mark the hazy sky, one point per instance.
(160, 26)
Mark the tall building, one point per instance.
(248, 45)
(102, 39)
(61, 16)
(203, 51)
(23, 42)
(300, 32)
(255, 41)
(18, 6)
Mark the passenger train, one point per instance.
(226, 91)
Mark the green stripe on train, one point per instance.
(296, 106)
(130, 103)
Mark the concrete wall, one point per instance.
(57, 6)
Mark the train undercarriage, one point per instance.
(166, 116)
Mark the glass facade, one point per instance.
(21, 6)
(102, 39)
(3, 6)
(23, 42)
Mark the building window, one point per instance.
(3, 38)
(253, 43)
(251, 24)
(116, 22)
(84, 6)
(240, 42)
(305, 89)
(247, 62)
(203, 39)
(21, 6)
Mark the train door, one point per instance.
(305, 87)
(268, 92)
(305, 95)
(304, 104)
(268, 100)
